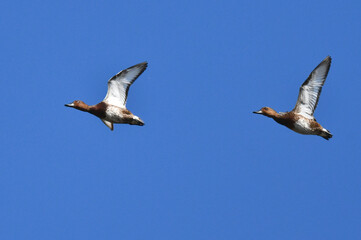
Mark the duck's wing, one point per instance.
(311, 89)
(109, 124)
(118, 86)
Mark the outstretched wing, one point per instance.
(118, 86)
(311, 89)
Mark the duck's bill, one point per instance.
(258, 112)
(69, 105)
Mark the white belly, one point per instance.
(114, 114)
(303, 126)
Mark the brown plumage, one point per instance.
(113, 108)
(301, 119)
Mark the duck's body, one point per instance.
(112, 109)
(296, 122)
(301, 119)
(116, 114)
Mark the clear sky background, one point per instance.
(203, 166)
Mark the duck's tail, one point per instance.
(137, 121)
(325, 134)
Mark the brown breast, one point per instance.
(99, 109)
(287, 119)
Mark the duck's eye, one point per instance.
(266, 108)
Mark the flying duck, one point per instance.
(301, 119)
(113, 108)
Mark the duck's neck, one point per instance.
(272, 114)
(83, 107)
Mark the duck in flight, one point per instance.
(301, 119)
(113, 108)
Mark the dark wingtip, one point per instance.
(328, 58)
(143, 64)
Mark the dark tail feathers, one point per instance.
(137, 121)
(326, 134)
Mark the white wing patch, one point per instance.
(311, 89)
(118, 85)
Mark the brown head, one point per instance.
(78, 104)
(267, 111)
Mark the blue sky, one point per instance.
(203, 166)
